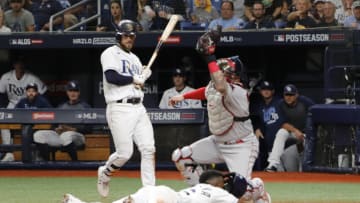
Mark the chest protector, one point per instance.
(221, 119)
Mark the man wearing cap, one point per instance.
(293, 108)
(12, 89)
(33, 99)
(69, 137)
(353, 20)
(180, 87)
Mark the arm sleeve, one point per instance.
(196, 94)
(115, 78)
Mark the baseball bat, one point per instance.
(164, 36)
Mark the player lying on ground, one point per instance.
(214, 187)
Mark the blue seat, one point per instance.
(186, 25)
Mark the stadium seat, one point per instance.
(186, 25)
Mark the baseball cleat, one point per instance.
(8, 157)
(265, 198)
(271, 169)
(103, 182)
(69, 198)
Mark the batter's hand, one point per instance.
(175, 99)
(146, 73)
(139, 79)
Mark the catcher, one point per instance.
(232, 140)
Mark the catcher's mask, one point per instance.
(231, 66)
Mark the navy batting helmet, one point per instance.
(126, 27)
(236, 184)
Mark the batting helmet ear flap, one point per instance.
(117, 35)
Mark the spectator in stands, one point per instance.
(294, 109)
(3, 27)
(161, 10)
(260, 21)
(116, 15)
(343, 10)
(12, 89)
(131, 9)
(272, 9)
(74, 15)
(180, 87)
(328, 19)
(317, 11)
(204, 12)
(19, 19)
(69, 137)
(354, 20)
(42, 11)
(301, 18)
(144, 19)
(227, 20)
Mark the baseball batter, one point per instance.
(12, 87)
(232, 141)
(128, 121)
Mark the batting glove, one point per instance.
(139, 79)
(146, 73)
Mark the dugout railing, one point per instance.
(172, 128)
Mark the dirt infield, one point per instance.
(270, 177)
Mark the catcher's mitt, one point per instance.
(207, 42)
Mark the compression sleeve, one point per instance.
(212, 65)
(196, 94)
(115, 78)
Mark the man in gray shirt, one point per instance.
(19, 19)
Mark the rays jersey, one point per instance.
(15, 89)
(205, 193)
(185, 104)
(124, 63)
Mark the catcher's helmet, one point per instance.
(127, 27)
(231, 65)
(236, 184)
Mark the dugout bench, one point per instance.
(337, 116)
(169, 126)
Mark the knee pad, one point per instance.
(189, 169)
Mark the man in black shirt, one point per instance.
(294, 109)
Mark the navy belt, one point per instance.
(134, 100)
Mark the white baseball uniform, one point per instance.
(128, 122)
(15, 90)
(232, 142)
(201, 193)
(185, 104)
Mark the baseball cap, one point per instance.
(266, 85)
(73, 85)
(319, 1)
(32, 85)
(178, 71)
(290, 89)
(355, 4)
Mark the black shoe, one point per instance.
(271, 169)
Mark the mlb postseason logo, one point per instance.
(279, 38)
